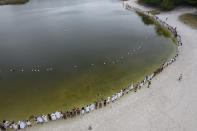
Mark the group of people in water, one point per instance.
(101, 103)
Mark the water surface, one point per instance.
(62, 54)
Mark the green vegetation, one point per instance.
(154, 12)
(12, 2)
(168, 4)
(189, 19)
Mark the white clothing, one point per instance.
(112, 98)
(108, 99)
(58, 115)
(92, 107)
(6, 124)
(53, 117)
(40, 120)
(87, 109)
(28, 123)
(45, 118)
(22, 125)
(82, 112)
(15, 126)
(118, 95)
(131, 86)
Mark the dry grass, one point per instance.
(154, 12)
(189, 19)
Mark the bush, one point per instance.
(169, 4)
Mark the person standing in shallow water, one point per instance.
(100, 104)
(96, 104)
(105, 102)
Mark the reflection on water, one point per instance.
(61, 54)
(161, 31)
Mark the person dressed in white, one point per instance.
(141, 84)
(92, 107)
(6, 123)
(87, 109)
(82, 111)
(44, 117)
(36, 119)
(131, 86)
(53, 117)
(112, 99)
(28, 123)
(22, 125)
(121, 93)
(108, 100)
(40, 120)
(58, 115)
(15, 126)
(116, 96)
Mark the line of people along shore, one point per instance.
(102, 103)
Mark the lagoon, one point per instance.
(57, 55)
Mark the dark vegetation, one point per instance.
(13, 2)
(168, 4)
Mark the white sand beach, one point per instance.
(168, 105)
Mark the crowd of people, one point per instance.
(101, 103)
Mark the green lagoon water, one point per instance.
(79, 51)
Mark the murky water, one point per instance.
(62, 54)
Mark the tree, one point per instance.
(168, 4)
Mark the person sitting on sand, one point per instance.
(28, 123)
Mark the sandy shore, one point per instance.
(169, 105)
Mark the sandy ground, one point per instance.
(169, 105)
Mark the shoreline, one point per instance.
(39, 111)
(159, 120)
(118, 110)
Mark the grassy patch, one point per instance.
(189, 19)
(154, 12)
(13, 2)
